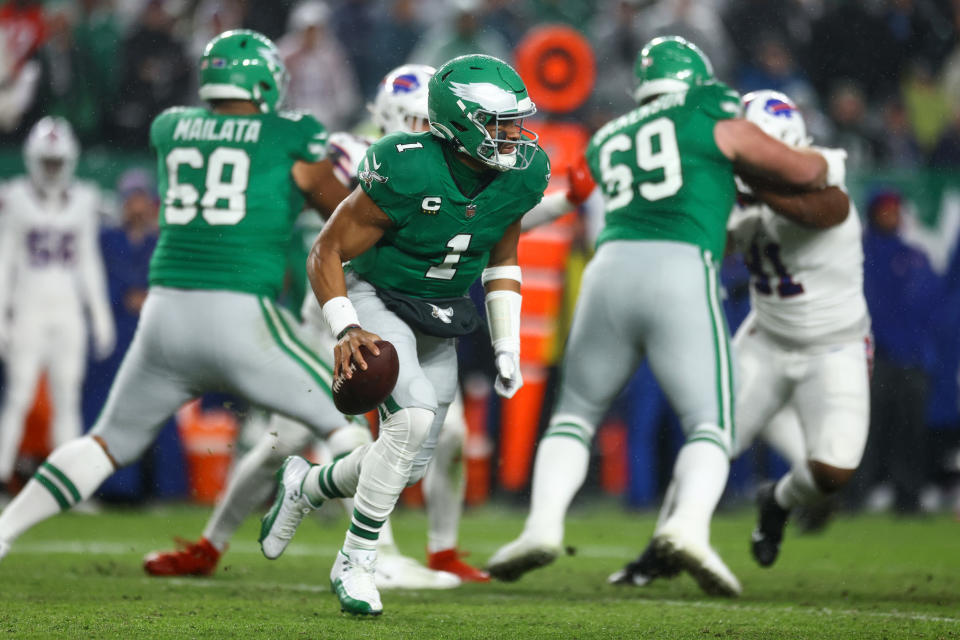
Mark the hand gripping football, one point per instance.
(367, 388)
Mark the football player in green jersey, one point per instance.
(666, 171)
(233, 176)
(400, 105)
(433, 213)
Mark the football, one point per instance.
(367, 388)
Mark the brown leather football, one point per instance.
(368, 388)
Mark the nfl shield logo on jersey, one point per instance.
(471, 210)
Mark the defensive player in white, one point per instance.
(51, 282)
(803, 353)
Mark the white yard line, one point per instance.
(206, 583)
(119, 548)
(326, 551)
(137, 548)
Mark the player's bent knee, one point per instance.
(829, 479)
(407, 429)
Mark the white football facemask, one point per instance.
(777, 115)
(51, 153)
(401, 100)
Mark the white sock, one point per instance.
(443, 488)
(797, 488)
(251, 482)
(384, 474)
(559, 470)
(386, 543)
(336, 479)
(70, 475)
(669, 503)
(700, 474)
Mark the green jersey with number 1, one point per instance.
(662, 175)
(229, 200)
(440, 240)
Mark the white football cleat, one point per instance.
(516, 558)
(396, 571)
(4, 549)
(288, 509)
(697, 559)
(352, 580)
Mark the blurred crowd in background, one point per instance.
(879, 78)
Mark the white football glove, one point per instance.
(509, 380)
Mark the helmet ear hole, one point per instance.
(459, 127)
(264, 86)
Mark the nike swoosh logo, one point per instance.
(376, 165)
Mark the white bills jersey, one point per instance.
(806, 284)
(345, 151)
(51, 271)
(50, 260)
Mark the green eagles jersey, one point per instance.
(229, 201)
(662, 175)
(440, 239)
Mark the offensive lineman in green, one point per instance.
(233, 177)
(433, 212)
(666, 170)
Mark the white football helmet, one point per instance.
(777, 115)
(50, 154)
(401, 101)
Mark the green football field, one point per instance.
(865, 577)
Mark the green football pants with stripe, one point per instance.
(651, 299)
(191, 342)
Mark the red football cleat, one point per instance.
(189, 559)
(449, 560)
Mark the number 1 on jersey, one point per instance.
(447, 269)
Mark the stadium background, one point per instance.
(880, 78)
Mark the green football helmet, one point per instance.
(243, 65)
(469, 93)
(668, 64)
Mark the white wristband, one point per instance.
(503, 316)
(339, 314)
(509, 272)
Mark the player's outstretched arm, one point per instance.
(580, 186)
(816, 209)
(755, 154)
(356, 225)
(319, 185)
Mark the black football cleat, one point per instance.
(771, 520)
(645, 569)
